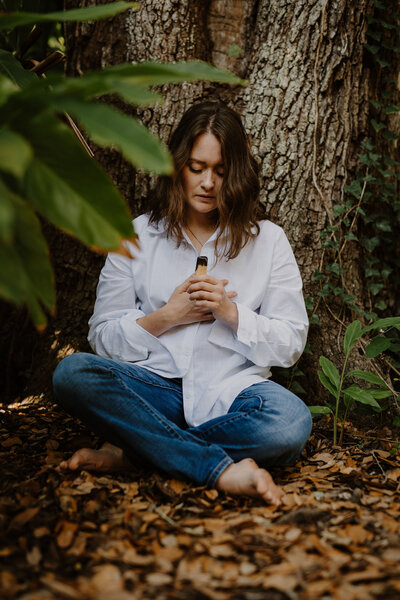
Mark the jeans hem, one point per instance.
(215, 473)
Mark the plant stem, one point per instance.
(339, 393)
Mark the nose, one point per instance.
(208, 180)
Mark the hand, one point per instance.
(209, 294)
(182, 310)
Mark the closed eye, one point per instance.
(197, 171)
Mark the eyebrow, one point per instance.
(202, 162)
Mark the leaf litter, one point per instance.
(142, 535)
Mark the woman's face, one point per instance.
(203, 175)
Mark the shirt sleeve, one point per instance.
(113, 330)
(275, 334)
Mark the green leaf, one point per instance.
(381, 305)
(374, 287)
(309, 302)
(12, 69)
(7, 213)
(26, 274)
(351, 237)
(109, 127)
(314, 320)
(97, 83)
(377, 346)
(235, 50)
(68, 187)
(360, 395)
(330, 371)
(327, 384)
(383, 324)
(336, 268)
(153, 73)
(354, 188)
(297, 388)
(367, 376)
(93, 13)
(353, 333)
(377, 126)
(319, 410)
(15, 152)
(380, 394)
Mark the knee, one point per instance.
(68, 374)
(294, 436)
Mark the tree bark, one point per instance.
(306, 109)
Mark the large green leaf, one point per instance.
(7, 88)
(109, 127)
(68, 187)
(330, 371)
(92, 13)
(353, 333)
(97, 83)
(377, 346)
(26, 274)
(7, 213)
(367, 376)
(153, 73)
(12, 68)
(383, 324)
(15, 152)
(360, 395)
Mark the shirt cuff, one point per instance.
(222, 335)
(139, 336)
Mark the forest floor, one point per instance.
(141, 535)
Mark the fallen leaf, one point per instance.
(108, 579)
(23, 517)
(66, 533)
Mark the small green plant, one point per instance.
(334, 381)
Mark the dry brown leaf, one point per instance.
(357, 533)
(63, 590)
(13, 441)
(34, 556)
(23, 517)
(107, 579)
(159, 579)
(65, 533)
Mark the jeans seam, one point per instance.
(164, 387)
(233, 418)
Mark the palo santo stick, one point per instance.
(201, 265)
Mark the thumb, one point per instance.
(231, 294)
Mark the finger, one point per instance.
(202, 286)
(231, 294)
(197, 278)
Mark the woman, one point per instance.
(180, 375)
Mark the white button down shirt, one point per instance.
(214, 362)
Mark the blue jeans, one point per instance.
(142, 413)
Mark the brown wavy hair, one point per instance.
(238, 207)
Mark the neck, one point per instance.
(206, 223)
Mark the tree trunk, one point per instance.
(306, 109)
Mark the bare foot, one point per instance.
(108, 459)
(248, 479)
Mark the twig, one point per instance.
(51, 61)
(379, 465)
